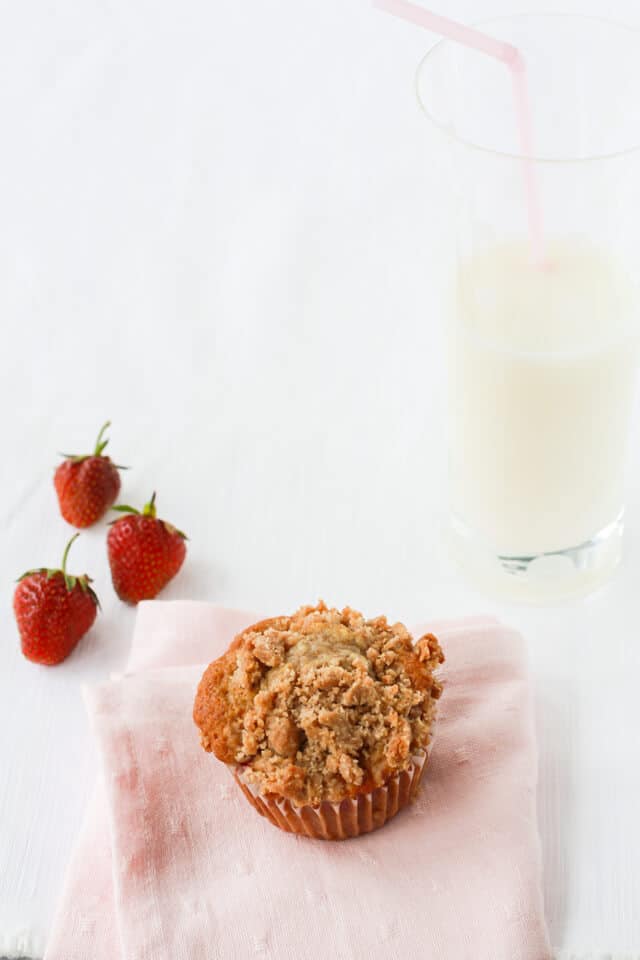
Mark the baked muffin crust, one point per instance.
(321, 705)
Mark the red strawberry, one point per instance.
(144, 553)
(53, 611)
(87, 485)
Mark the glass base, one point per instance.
(542, 577)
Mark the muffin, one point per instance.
(324, 718)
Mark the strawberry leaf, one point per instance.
(169, 527)
(84, 586)
(49, 572)
(74, 458)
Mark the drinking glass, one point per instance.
(542, 347)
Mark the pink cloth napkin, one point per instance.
(173, 864)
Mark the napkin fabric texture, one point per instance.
(172, 863)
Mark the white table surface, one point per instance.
(219, 227)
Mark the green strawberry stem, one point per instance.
(70, 582)
(100, 443)
(66, 554)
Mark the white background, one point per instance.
(221, 227)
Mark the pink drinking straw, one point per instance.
(512, 58)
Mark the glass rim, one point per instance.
(505, 154)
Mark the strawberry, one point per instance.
(87, 485)
(145, 553)
(53, 611)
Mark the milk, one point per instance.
(542, 369)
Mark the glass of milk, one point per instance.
(542, 350)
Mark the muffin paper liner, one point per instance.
(339, 820)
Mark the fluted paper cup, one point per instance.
(339, 820)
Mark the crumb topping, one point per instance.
(320, 705)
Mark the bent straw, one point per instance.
(512, 58)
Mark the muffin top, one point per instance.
(320, 705)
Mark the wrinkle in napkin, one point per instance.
(173, 864)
